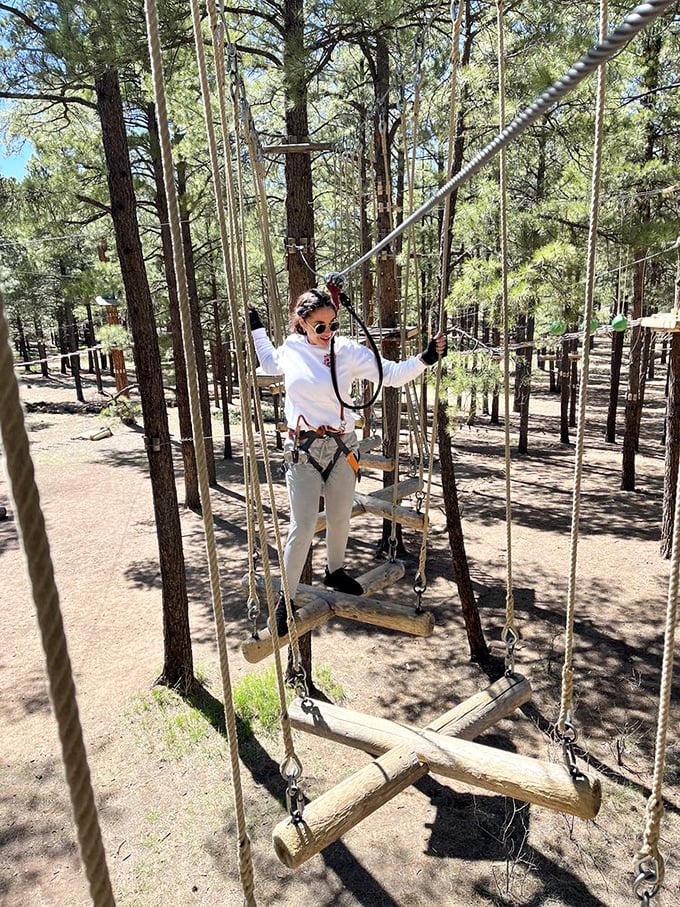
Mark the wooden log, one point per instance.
(478, 713)
(404, 490)
(334, 813)
(546, 784)
(382, 576)
(314, 612)
(331, 815)
(366, 444)
(378, 613)
(376, 461)
(372, 581)
(662, 321)
(404, 515)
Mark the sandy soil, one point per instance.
(161, 771)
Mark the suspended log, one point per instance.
(377, 461)
(314, 612)
(382, 576)
(404, 490)
(404, 515)
(334, 813)
(328, 817)
(546, 784)
(366, 444)
(388, 615)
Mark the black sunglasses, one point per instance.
(321, 328)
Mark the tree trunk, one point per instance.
(178, 662)
(196, 326)
(525, 389)
(564, 392)
(614, 385)
(301, 254)
(192, 498)
(91, 342)
(219, 368)
(633, 396)
(42, 350)
(23, 346)
(670, 486)
(461, 571)
(386, 273)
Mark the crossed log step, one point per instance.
(408, 753)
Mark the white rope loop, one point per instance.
(33, 537)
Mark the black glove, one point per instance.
(430, 355)
(254, 318)
(337, 280)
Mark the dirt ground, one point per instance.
(161, 771)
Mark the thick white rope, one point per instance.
(33, 537)
(244, 852)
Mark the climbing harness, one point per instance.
(304, 440)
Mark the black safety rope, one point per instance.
(334, 284)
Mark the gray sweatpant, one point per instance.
(305, 487)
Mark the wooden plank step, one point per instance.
(662, 321)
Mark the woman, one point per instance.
(321, 452)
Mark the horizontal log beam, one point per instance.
(328, 817)
(404, 490)
(378, 613)
(546, 784)
(404, 515)
(314, 612)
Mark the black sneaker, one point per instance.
(281, 615)
(342, 582)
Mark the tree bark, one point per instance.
(177, 662)
(192, 498)
(670, 485)
(461, 570)
(614, 384)
(196, 326)
(633, 395)
(525, 389)
(301, 254)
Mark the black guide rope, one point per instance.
(335, 282)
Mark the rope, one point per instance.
(420, 582)
(509, 634)
(634, 22)
(564, 726)
(291, 767)
(46, 598)
(245, 859)
(649, 863)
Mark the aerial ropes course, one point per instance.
(446, 744)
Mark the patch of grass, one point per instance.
(324, 681)
(165, 720)
(256, 701)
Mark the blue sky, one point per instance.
(13, 161)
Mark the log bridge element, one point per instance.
(408, 753)
(317, 604)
